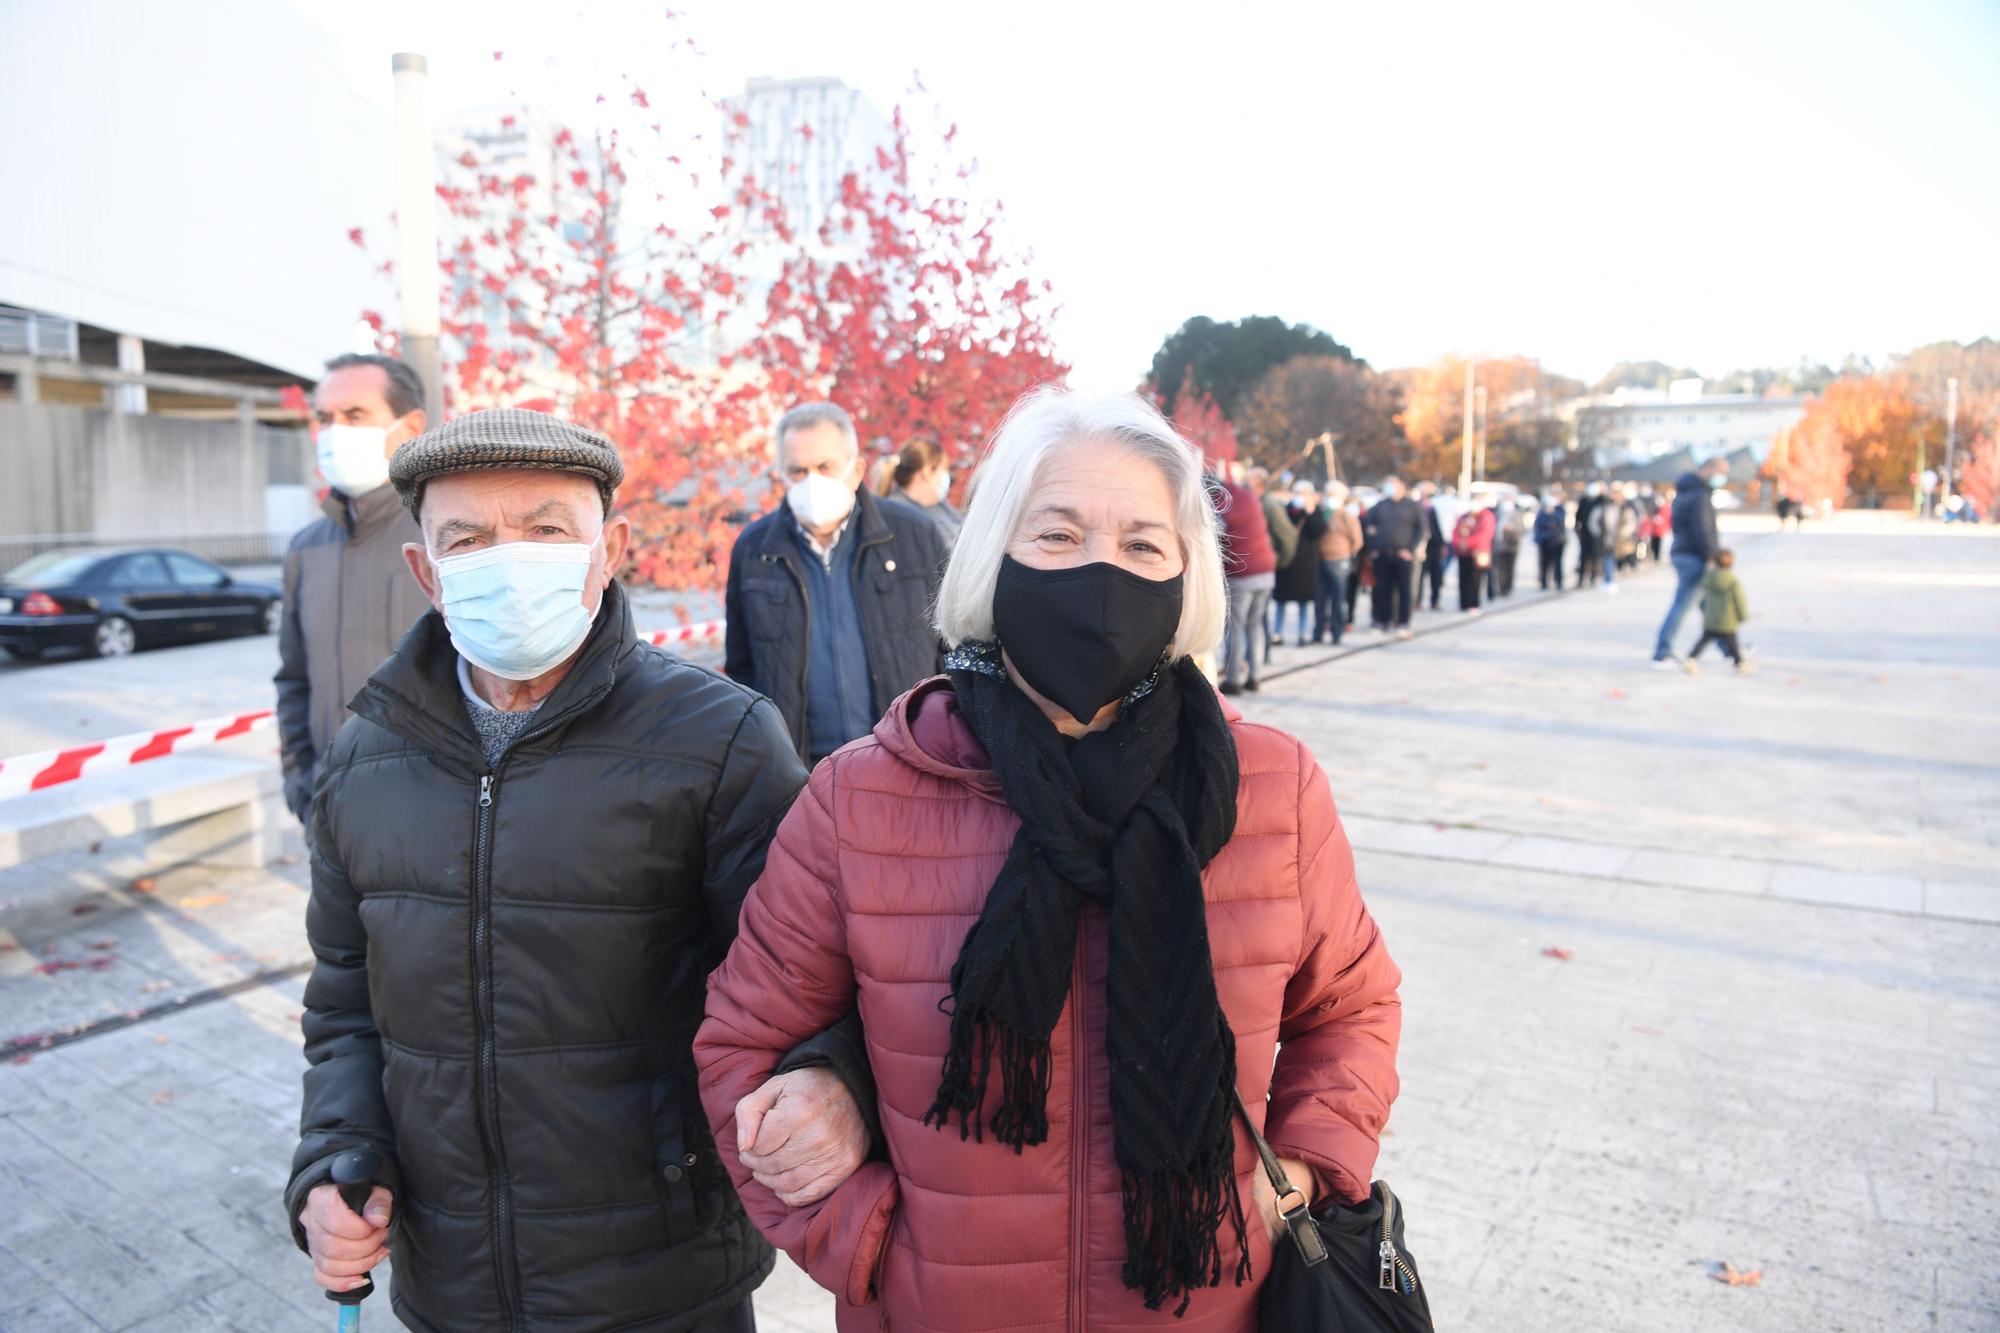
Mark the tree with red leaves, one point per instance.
(674, 341)
(1197, 417)
(905, 309)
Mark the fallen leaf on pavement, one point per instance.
(145, 885)
(1559, 953)
(154, 987)
(8, 946)
(103, 946)
(20, 1059)
(162, 1097)
(1730, 1275)
(201, 900)
(95, 845)
(161, 1039)
(85, 909)
(1881, 680)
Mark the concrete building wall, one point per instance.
(100, 476)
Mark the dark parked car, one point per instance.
(110, 602)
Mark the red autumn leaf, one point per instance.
(1730, 1275)
(1616, 694)
(1557, 952)
(498, 54)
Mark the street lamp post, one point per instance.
(1465, 436)
(1481, 396)
(1950, 437)
(416, 228)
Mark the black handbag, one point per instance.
(1346, 1270)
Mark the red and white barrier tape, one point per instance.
(47, 768)
(33, 772)
(702, 629)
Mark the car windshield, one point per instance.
(51, 568)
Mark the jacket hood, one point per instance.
(1689, 481)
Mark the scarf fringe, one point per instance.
(1022, 1118)
(1173, 1221)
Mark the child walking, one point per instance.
(1723, 611)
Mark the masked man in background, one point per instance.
(348, 596)
(830, 594)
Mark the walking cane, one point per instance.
(354, 1173)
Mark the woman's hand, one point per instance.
(1301, 1177)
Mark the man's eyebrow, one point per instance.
(550, 508)
(462, 527)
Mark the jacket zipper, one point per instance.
(482, 971)
(1079, 1133)
(1393, 1274)
(489, 1106)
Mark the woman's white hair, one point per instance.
(1040, 425)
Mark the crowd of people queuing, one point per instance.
(626, 969)
(1323, 561)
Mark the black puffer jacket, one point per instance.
(511, 968)
(1694, 518)
(898, 566)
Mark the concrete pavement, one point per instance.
(1773, 1042)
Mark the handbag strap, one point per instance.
(1298, 1218)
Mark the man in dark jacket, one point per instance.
(1398, 530)
(1695, 544)
(531, 843)
(348, 595)
(829, 595)
(1551, 534)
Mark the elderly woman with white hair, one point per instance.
(1081, 904)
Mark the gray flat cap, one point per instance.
(506, 437)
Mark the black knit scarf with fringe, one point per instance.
(1125, 818)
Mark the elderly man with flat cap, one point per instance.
(530, 843)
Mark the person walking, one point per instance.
(1339, 547)
(828, 596)
(1472, 544)
(1361, 573)
(1082, 903)
(1551, 534)
(1723, 609)
(921, 478)
(1298, 582)
(1604, 519)
(1399, 525)
(1695, 544)
(530, 843)
(1250, 566)
(349, 596)
(1627, 538)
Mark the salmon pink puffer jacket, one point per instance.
(875, 877)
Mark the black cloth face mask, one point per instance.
(1087, 636)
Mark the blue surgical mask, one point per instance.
(517, 609)
(1716, 483)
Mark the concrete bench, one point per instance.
(211, 808)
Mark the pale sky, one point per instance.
(1716, 183)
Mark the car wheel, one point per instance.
(274, 616)
(115, 637)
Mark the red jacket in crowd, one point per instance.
(1474, 533)
(1246, 546)
(873, 881)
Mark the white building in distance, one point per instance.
(803, 137)
(1638, 425)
